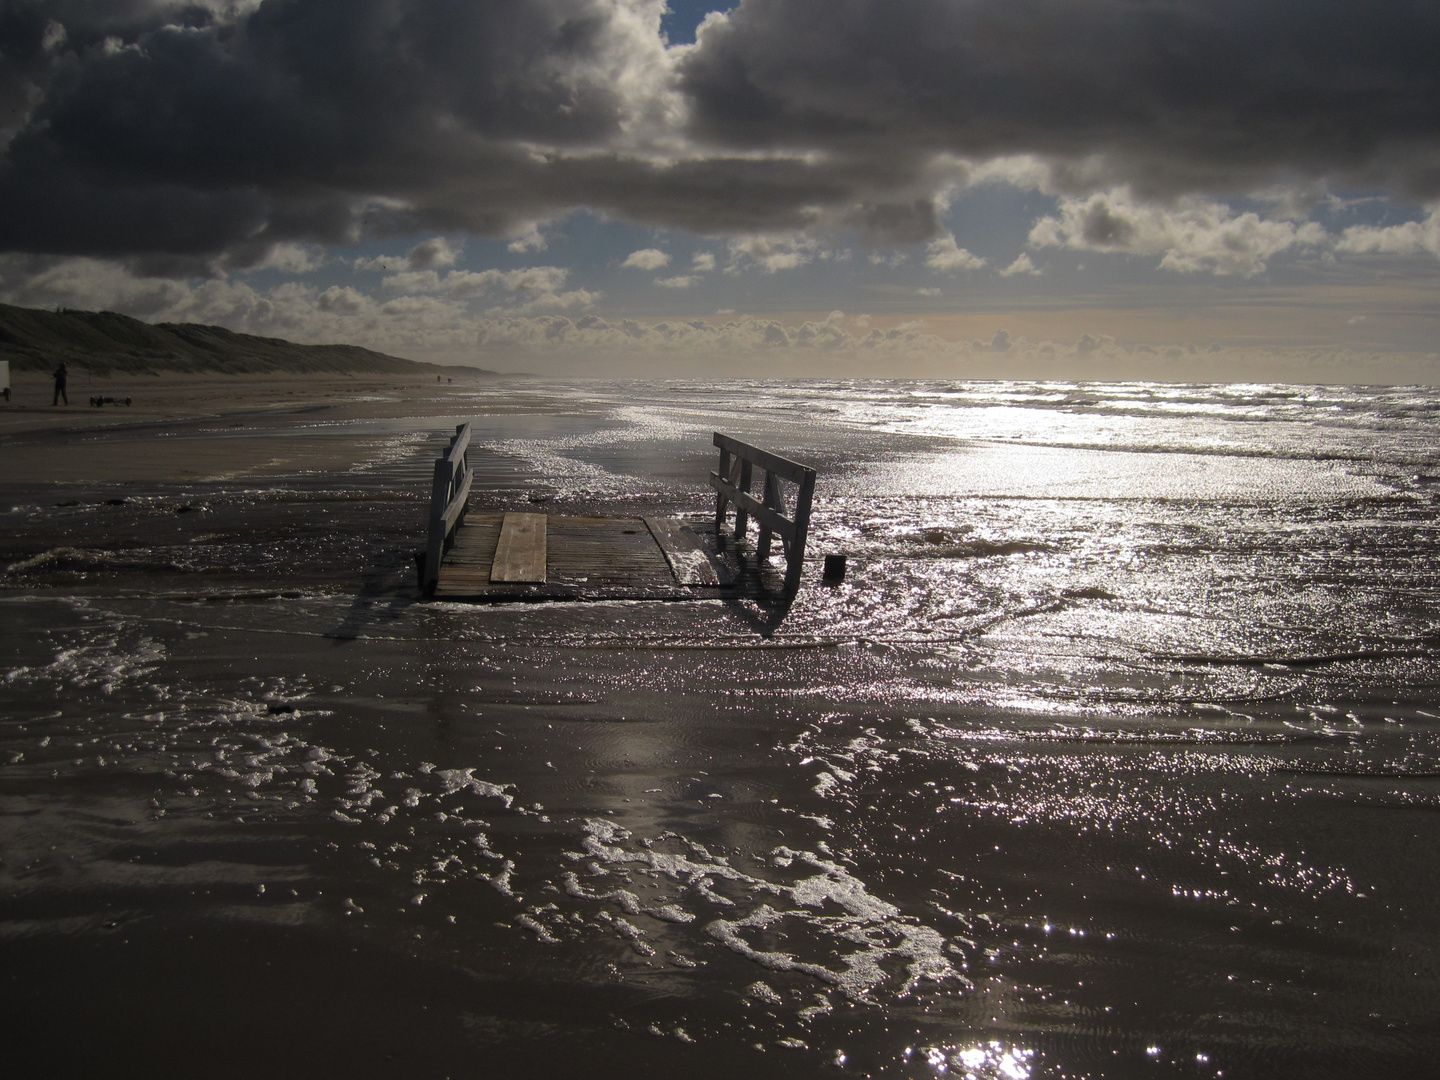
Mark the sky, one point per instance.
(1155, 189)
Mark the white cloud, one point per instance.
(47, 282)
(646, 259)
(1193, 234)
(1408, 238)
(53, 40)
(558, 301)
(343, 300)
(683, 281)
(527, 238)
(533, 279)
(735, 334)
(534, 288)
(515, 115)
(537, 325)
(290, 259)
(771, 254)
(431, 254)
(703, 262)
(1021, 265)
(944, 254)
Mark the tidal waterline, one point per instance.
(1114, 754)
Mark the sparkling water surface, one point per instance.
(1114, 755)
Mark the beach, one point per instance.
(1114, 755)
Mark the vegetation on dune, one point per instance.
(105, 342)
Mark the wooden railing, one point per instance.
(732, 483)
(448, 500)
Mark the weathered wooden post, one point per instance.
(720, 500)
(742, 519)
(795, 549)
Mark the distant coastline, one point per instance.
(105, 343)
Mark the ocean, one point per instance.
(1115, 754)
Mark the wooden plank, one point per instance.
(459, 497)
(746, 475)
(520, 554)
(459, 445)
(449, 496)
(776, 521)
(795, 547)
(688, 560)
(593, 558)
(771, 463)
(772, 500)
(435, 534)
(720, 499)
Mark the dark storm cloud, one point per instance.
(202, 131)
(1174, 94)
(138, 126)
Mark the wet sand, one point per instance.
(187, 427)
(971, 813)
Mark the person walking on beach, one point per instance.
(60, 376)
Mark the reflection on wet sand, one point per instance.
(1119, 778)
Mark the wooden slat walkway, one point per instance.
(520, 550)
(596, 558)
(689, 561)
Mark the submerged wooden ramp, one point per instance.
(553, 557)
(536, 556)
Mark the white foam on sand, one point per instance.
(851, 938)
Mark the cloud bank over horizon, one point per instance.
(916, 152)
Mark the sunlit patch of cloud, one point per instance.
(646, 259)
(343, 300)
(1021, 266)
(1191, 235)
(527, 237)
(292, 259)
(432, 254)
(944, 254)
(772, 254)
(1408, 238)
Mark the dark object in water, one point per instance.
(834, 568)
(99, 400)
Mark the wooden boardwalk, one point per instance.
(496, 557)
(530, 556)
